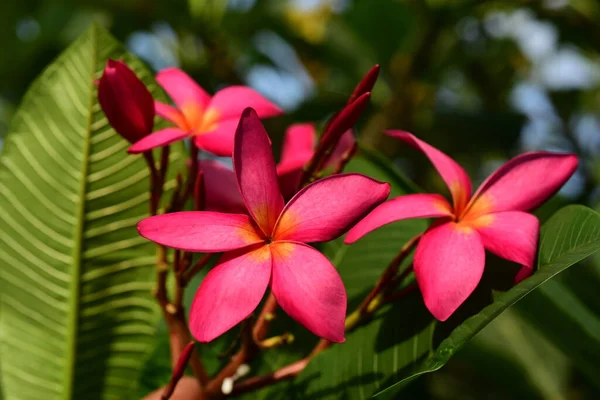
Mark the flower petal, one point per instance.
(222, 192)
(327, 208)
(510, 235)
(171, 114)
(230, 292)
(158, 139)
(449, 263)
(220, 140)
(298, 149)
(403, 207)
(231, 101)
(343, 146)
(255, 171)
(202, 231)
(300, 140)
(184, 91)
(309, 289)
(523, 183)
(453, 174)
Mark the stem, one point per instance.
(179, 201)
(174, 314)
(200, 264)
(258, 382)
(247, 351)
(264, 319)
(388, 275)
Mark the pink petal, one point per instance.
(220, 140)
(222, 193)
(343, 146)
(231, 101)
(158, 139)
(298, 139)
(523, 183)
(202, 231)
(309, 289)
(255, 171)
(184, 91)
(171, 114)
(298, 146)
(512, 235)
(449, 263)
(403, 207)
(230, 292)
(327, 208)
(289, 182)
(453, 174)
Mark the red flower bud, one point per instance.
(366, 84)
(344, 120)
(126, 101)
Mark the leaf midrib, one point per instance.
(74, 303)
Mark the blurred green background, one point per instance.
(481, 80)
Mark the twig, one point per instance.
(264, 319)
(388, 275)
(200, 264)
(287, 372)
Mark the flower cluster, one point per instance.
(262, 215)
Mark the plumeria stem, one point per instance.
(200, 264)
(287, 372)
(173, 312)
(179, 201)
(388, 275)
(264, 319)
(247, 351)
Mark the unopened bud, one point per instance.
(126, 101)
(178, 370)
(366, 84)
(344, 120)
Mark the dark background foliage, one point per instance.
(481, 80)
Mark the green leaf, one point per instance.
(404, 341)
(77, 315)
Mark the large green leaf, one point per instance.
(404, 341)
(77, 315)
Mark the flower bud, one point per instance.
(126, 101)
(366, 84)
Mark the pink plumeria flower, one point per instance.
(299, 145)
(267, 248)
(450, 257)
(209, 121)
